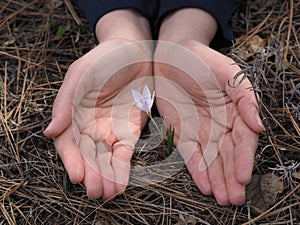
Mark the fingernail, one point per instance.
(48, 128)
(259, 122)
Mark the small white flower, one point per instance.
(144, 101)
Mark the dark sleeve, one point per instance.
(93, 10)
(221, 10)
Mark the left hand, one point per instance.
(215, 125)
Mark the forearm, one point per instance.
(188, 24)
(127, 24)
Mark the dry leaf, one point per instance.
(263, 190)
(296, 175)
(252, 46)
(103, 222)
(184, 220)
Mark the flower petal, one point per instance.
(146, 91)
(136, 96)
(138, 100)
(145, 101)
(147, 97)
(146, 108)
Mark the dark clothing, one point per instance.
(155, 10)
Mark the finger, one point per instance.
(209, 151)
(121, 166)
(103, 158)
(246, 142)
(200, 177)
(69, 152)
(217, 181)
(92, 182)
(235, 190)
(99, 177)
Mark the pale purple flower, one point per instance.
(145, 100)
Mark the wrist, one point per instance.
(188, 24)
(127, 24)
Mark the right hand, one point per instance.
(94, 123)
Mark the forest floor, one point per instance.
(38, 42)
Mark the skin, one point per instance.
(225, 177)
(105, 147)
(231, 170)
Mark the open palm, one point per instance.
(215, 125)
(95, 123)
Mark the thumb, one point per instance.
(242, 94)
(248, 110)
(61, 114)
(247, 105)
(63, 106)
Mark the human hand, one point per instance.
(216, 125)
(94, 123)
